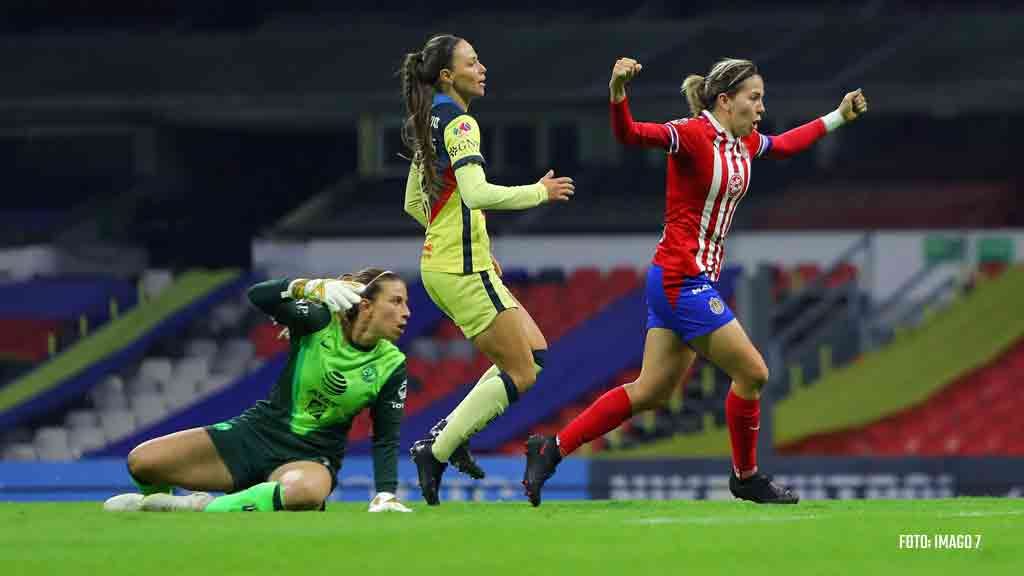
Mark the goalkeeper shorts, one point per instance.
(252, 449)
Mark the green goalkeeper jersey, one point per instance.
(328, 381)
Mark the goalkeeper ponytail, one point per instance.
(372, 278)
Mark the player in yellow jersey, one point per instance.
(447, 191)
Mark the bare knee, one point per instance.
(754, 378)
(643, 396)
(303, 493)
(144, 464)
(523, 378)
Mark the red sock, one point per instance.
(604, 415)
(744, 420)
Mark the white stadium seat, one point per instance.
(82, 440)
(81, 419)
(117, 423)
(52, 444)
(148, 408)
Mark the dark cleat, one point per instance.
(429, 469)
(760, 488)
(542, 457)
(462, 459)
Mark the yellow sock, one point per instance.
(488, 399)
(485, 402)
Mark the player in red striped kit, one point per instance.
(709, 168)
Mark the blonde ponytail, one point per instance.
(693, 90)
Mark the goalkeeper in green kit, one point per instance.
(285, 452)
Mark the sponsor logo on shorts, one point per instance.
(222, 426)
(716, 305)
(700, 289)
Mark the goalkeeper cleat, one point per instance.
(429, 469)
(129, 502)
(542, 457)
(162, 502)
(462, 459)
(761, 489)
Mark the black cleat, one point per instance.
(429, 469)
(461, 458)
(760, 488)
(542, 457)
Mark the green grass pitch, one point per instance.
(491, 539)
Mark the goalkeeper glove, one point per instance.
(337, 295)
(387, 502)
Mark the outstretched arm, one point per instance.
(798, 139)
(462, 141)
(479, 194)
(627, 131)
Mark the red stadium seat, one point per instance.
(585, 276)
(991, 269)
(265, 340)
(454, 371)
(622, 280)
(843, 273)
(481, 363)
(419, 367)
(781, 284)
(807, 272)
(447, 330)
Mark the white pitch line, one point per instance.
(723, 519)
(983, 514)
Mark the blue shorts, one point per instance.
(691, 307)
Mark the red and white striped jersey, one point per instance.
(708, 175)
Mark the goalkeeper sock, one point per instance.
(147, 489)
(604, 415)
(488, 399)
(263, 497)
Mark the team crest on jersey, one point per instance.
(369, 374)
(716, 305)
(463, 128)
(735, 185)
